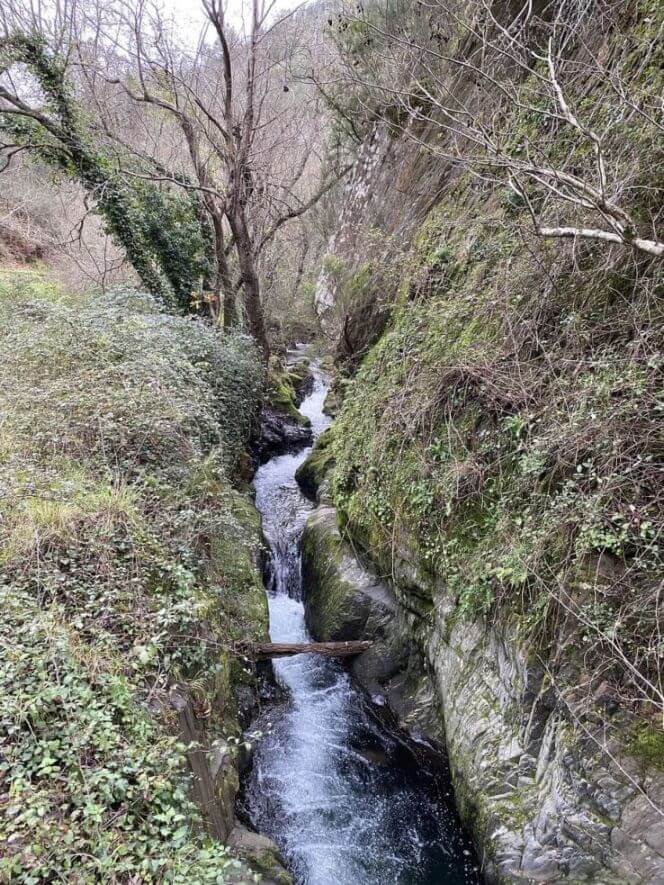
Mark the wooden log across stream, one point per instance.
(259, 651)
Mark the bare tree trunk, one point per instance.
(259, 651)
(250, 283)
(224, 289)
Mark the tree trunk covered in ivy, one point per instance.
(160, 232)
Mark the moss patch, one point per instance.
(282, 391)
(311, 473)
(335, 609)
(647, 745)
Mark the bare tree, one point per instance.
(221, 121)
(536, 68)
(252, 161)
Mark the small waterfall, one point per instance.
(347, 801)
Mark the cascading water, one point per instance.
(348, 801)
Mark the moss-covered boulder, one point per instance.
(261, 854)
(300, 378)
(285, 389)
(340, 594)
(311, 474)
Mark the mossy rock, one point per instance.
(261, 854)
(300, 378)
(647, 745)
(340, 594)
(282, 392)
(335, 396)
(312, 472)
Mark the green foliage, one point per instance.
(126, 562)
(160, 231)
(648, 745)
(502, 440)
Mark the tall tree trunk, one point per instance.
(250, 283)
(224, 289)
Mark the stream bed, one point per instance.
(349, 800)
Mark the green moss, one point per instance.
(335, 610)
(312, 472)
(282, 392)
(647, 744)
(298, 374)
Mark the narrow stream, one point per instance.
(347, 801)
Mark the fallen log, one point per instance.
(259, 651)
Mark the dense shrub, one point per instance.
(126, 562)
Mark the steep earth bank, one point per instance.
(493, 462)
(130, 562)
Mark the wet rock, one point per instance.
(301, 379)
(345, 600)
(311, 474)
(278, 434)
(262, 855)
(339, 593)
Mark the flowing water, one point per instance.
(349, 801)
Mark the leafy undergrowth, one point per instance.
(504, 436)
(126, 563)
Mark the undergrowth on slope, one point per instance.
(504, 439)
(126, 563)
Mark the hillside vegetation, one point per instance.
(498, 451)
(504, 433)
(127, 562)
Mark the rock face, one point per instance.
(543, 806)
(340, 594)
(346, 600)
(546, 806)
(278, 434)
(310, 475)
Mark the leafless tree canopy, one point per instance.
(231, 119)
(532, 95)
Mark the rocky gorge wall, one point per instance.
(546, 802)
(492, 471)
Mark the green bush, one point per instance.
(126, 562)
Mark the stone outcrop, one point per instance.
(346, 600)
(543, 805)
(278, 434)
(546, 806)
(310, 475)
(341, 595)
(261, 854)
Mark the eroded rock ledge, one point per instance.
(544, 805)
